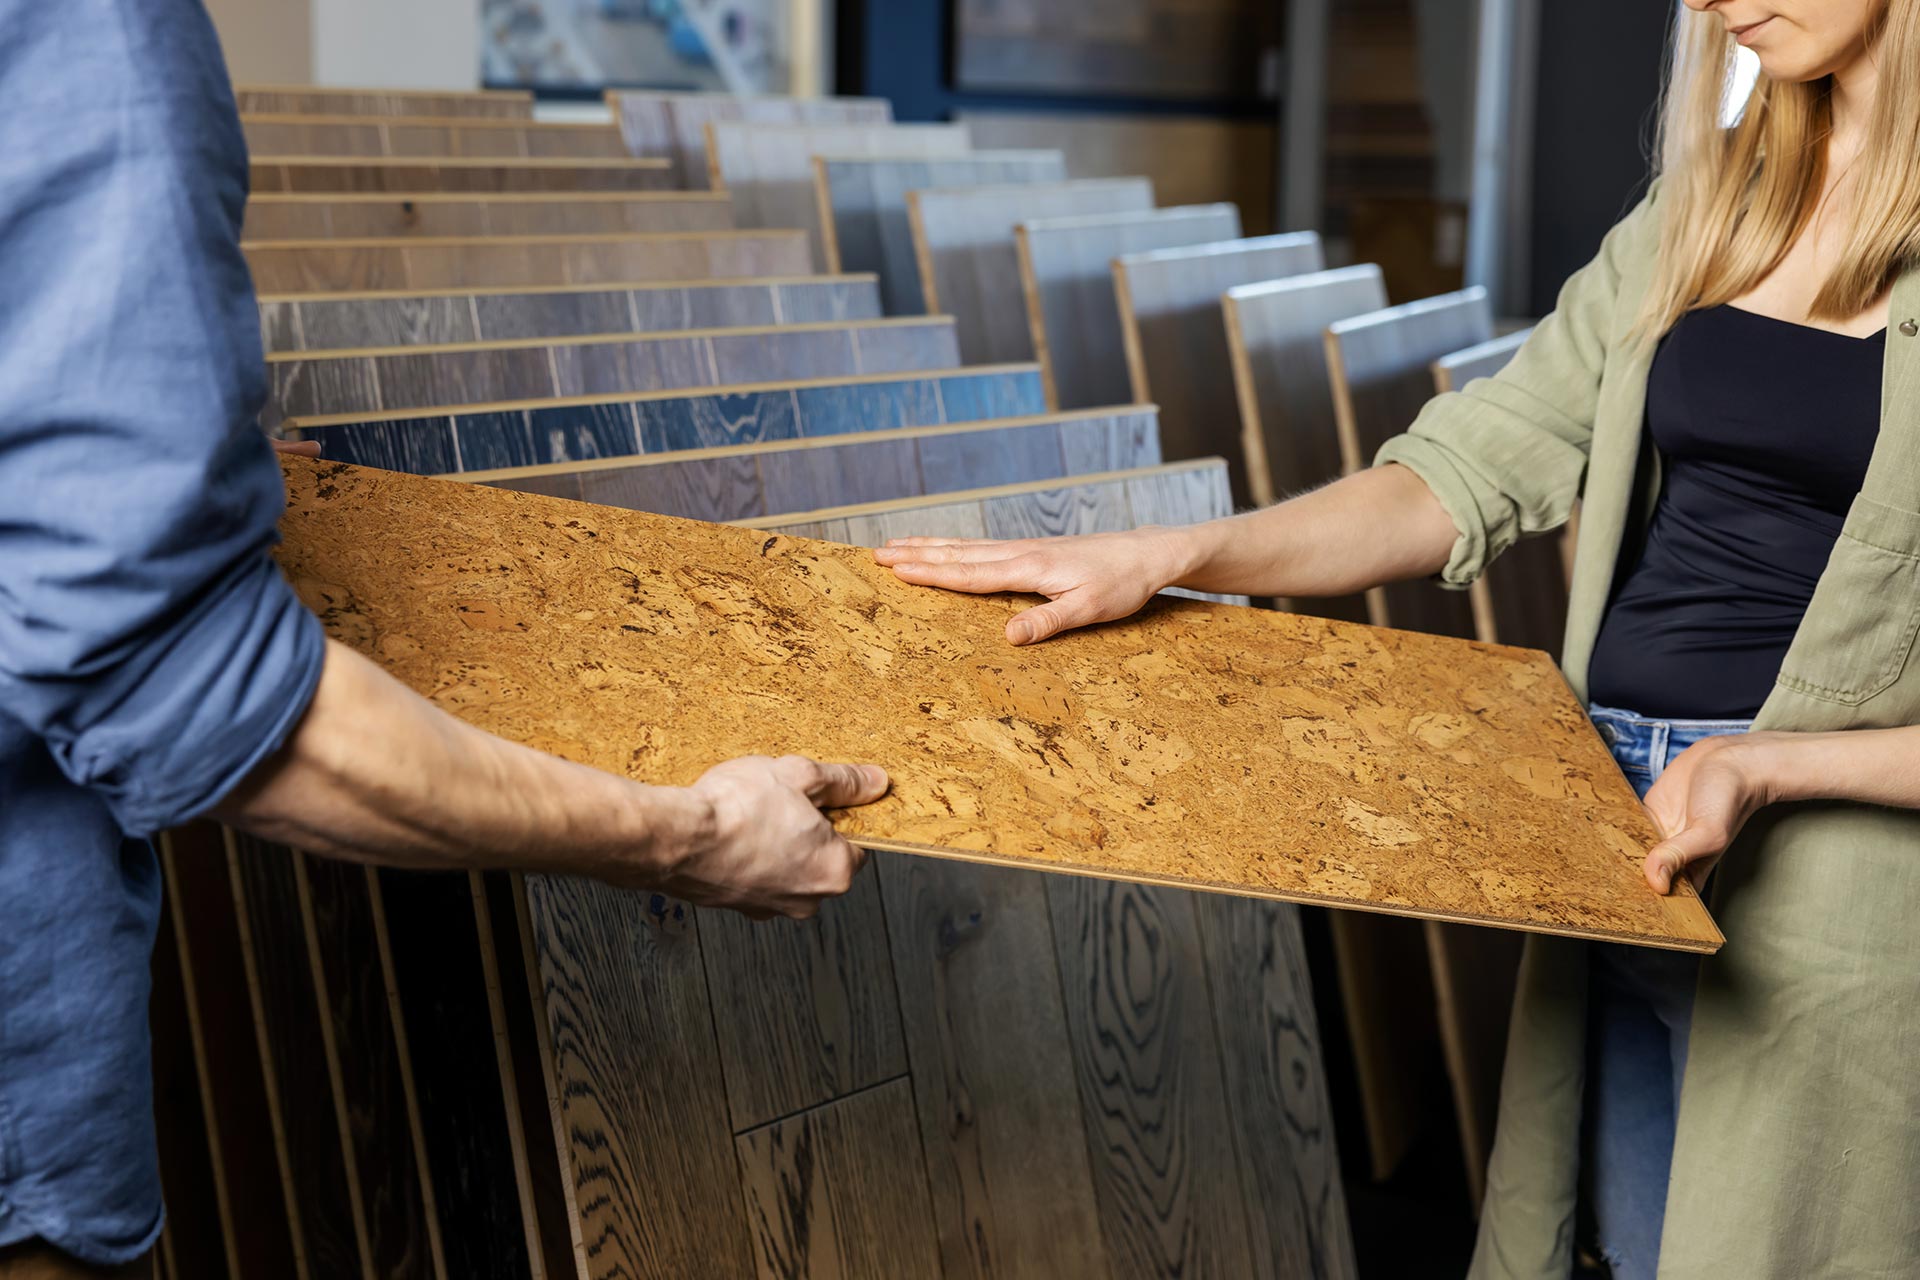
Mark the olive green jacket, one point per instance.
(1798, 1152)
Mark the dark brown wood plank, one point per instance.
(840, 1191)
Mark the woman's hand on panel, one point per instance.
(1701, 802)
(1088, 579)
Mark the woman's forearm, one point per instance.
(1378, 526)
(1870, 766)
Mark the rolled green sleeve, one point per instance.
(1506, 455)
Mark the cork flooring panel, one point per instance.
(366, 217)
(674, 125)
(768, 168)
(1066, 277)
(292, 175)
(312, 383)
(1199, 745)
(963, 240)
(318, 322)
(361, 135)
(1175, 337)
(863, 203)
(526, 434)
(259, 99)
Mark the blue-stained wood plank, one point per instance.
(1128, 439)
(423, 446)
(808, 479)
(868, 406)
(707, 422)
(988, 458)
(993, 395)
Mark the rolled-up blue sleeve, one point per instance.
(145, 635)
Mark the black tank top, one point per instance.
(1765, 429)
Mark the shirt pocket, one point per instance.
(1859, 628)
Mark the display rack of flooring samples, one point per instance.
(403, 175)
(268, 99)
(1066, 274)
(673, 126)
(1175, 339)
(314, 266)
(768, 168)
(863, 209)
(1522, 600)
(963, 243)
(380, 216)
(323, 321)
(356, 135)
(309, 384)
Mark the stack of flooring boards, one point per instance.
(801, 316)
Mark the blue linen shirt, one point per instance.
(150, 652)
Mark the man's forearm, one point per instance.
(1870, 766)
(375, 773)
(1380, 525)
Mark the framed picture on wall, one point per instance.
(724, 45)
(1204, 49)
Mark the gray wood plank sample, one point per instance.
(1175, 336)
(863, 202)
(841, 1190)
(768, 168)
(403, 174)
(428, 136)
(334, 266)
(317, 383)
(1066, 274)
(483, 437)
(270, 99)
(318, 322)
(673, 126)
(739, 482)
(379, 216)
(963, 242)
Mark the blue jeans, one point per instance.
(1639, 1008)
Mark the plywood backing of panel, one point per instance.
(296, 266)
(768, 169)
(428, 136)
(323, 321)
(1175, 337)
(963, 242)
(673, 126)
(1191, 160)
(292, 175)
(512, 104)
(1504, 756)
(379, 216)
(1066, 277)
(311, 383)
(863, 208)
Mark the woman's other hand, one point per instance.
(1095, 578)
(299, 448)
(1701, 802)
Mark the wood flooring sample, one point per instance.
(1198, 745)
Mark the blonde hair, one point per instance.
(1733, 200)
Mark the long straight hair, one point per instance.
(1734, 200)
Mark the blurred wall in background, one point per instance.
(416, 44)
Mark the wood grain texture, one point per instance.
(768, 168)
(360, 217)
(674, 125)
(322, 1195)
(269, 99)
(333, 266)
(622, 984)
(1175, 339)
(1066, 277)
(196, 1230)
(317, 383)
(529, 433)
(1191, 159)
(963, 241)
(863, 208)
(1065, 748)
(400, 175)
(1276, 1088)
(1382, 370)
(257, 1215)
(440, 1004)
(1176, 48)
(299, 134)
(841, 1191)
(316, 322)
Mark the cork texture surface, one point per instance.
(1198, 745)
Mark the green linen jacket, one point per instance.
(1798, 1151)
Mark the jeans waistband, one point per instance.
(1645, 746)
